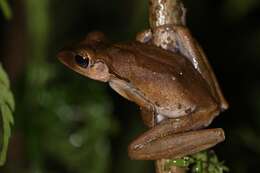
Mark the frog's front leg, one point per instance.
(175, 138)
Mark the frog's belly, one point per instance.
(175, 111)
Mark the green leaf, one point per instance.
(198, 168)
(3, 76)
(6, 97)
(6, 114)
(6, 9)
(202, 162)
(7, 105)
(207, 161)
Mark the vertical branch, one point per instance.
(165, 12)
(162, 15)
(161, 164)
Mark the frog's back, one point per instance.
(166, 79)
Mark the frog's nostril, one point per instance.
(81, 61)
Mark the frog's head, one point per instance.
(83, 58)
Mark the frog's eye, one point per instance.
(81, 61)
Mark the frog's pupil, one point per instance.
(83, 62)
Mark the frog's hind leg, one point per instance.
(192, 50)
(174, 138)
(177, 145)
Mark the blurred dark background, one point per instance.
(65, 123)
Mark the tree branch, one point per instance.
(163, 13)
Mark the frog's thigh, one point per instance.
(144, 36)
(177, 145)
(167, 138)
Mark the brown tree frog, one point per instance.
(167, 86)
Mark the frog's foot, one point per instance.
(145, 36)
(176, 145)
